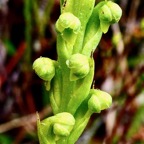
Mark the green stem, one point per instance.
(28, 30)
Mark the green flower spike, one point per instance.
(79, 66)
(79, 30)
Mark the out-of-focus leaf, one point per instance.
(115, 139)
(142, 24)
(142, 77)
(133, 61)
(4, 139)
(138, 120)
(9, 47)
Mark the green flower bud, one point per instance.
(62, 130)
(79, 66)
(63, 124)
(69, 26)
(99, 100)
(109, 13)
(116, 11)
(44, 68)
(55, 127)
(68, 20)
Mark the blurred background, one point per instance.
(27, 31)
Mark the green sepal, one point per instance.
(116, 11)
(94, 104)
(61, 130)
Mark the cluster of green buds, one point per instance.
(69, 79)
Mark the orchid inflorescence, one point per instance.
(69, 79)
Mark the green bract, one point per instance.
(79, 30)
